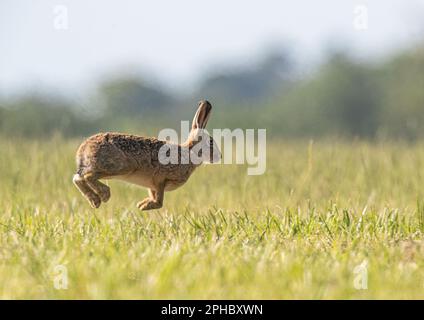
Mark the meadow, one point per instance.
(321, 211)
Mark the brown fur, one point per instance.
(133, 159)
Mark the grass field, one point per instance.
(299, 231)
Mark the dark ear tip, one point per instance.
(205, 102)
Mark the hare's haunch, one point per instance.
(136, 159)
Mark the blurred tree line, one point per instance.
(343, 97)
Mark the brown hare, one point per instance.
(137, 160)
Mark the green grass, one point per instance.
(298, 231)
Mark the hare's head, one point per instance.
(200, 141)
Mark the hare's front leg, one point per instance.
(155, 199)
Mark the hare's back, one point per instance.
(109, 154)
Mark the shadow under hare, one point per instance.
(143, 161)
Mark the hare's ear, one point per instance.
(202, 115)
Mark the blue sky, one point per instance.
(178, 41)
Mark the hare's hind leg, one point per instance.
(102, 190)
(155, 199)
(86, 191)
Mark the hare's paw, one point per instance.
(85, 189)
(148, 204)
(102, 190)
(142, 203)
(94, 200)
(105, 194)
